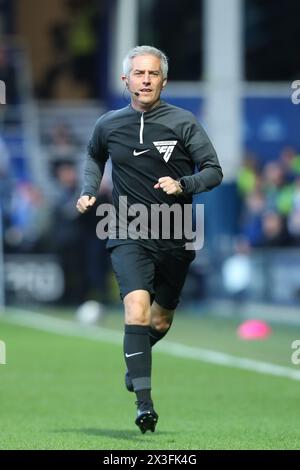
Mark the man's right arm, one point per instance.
(92, 175)
(93, 169)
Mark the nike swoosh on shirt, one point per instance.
(136, 153)
(133, 354)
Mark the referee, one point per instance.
(154, 148)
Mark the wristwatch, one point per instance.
(182, 184)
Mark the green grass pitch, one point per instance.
(64, 392)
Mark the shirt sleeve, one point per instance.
(203, 154)
(97, 156)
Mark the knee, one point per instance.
(137, 312)
(161, 324)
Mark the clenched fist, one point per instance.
(84, 203)
(168, 185)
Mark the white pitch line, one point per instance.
(68, 328)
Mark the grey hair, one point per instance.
(145, 50)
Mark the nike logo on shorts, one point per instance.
(133, 354)
(136, 153)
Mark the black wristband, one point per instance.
(182, 184)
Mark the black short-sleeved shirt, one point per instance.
(145, 146)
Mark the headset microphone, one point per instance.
(132, 92)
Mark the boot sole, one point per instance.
(146, 421)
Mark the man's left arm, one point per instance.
(204, 156)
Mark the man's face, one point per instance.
(146, 79)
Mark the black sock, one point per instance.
(137, 352)
(143, 398)
(156, 335)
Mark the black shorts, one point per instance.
(161, 273)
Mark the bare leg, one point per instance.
(161, 321)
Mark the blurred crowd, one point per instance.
(45, 219)
(270, 195)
